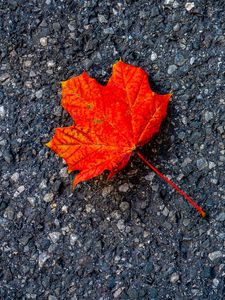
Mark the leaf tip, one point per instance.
(63, 83)
(118, 61)
(75, 183)
(48, 144)
(204, 214)
(169, 97)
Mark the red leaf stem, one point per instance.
(200, 210)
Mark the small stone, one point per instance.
(222, 158)
(15, 177)
(54, 236)
(208, 116)
(43, 184)
(146, 234)
(192, 60)
(43, 23)
(153, 56)
(182, 135)
(73, 239)
(48, 197)
(175, 4)
(31, 296)
(89, 208)
(154, 11)
(65, 230)
(19, 191)
(38, 94)
(71, 27)
(186, 222)
(57, 111)
(120, 225)
(150, 176)
(202, 164)
(50, 63)
(27, 63)
(189, 6)
(214, 180)
(32, 74)
(221, 217)
(19, 215)
(108, 30)
(142, 14)
(124, 187)
(107, 190)
(2, 142)
(43, 256)
(168, 2)
(118, 292)
(9, 213)
(2, 112)
(211, 165)
(4, 77)
(174, 278)
(155, 187)
(171, 69)
(87, 63)
(3, 221)
(165, 211)
(214, 255)
(64, 173)
(167, 225)
(221, 129)
(124, 206)
(176, 27)
(102, 19)
(149, 267)
(51, 297)
(44, 41)
(216, 282)
(179, 59)
(31, 201)
(64, 209)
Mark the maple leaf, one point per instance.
(110, 122)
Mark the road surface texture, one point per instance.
(133, 237)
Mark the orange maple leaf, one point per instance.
(110, 121)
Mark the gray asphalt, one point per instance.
(133, 237)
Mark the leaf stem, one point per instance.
(200, 210)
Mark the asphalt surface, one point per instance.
(132, 237)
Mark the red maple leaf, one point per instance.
(111, 121)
